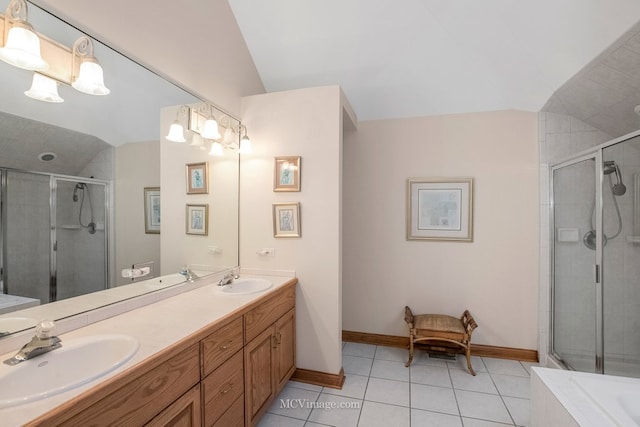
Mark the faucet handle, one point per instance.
(43, 329)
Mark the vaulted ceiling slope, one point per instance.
(426, 57)
(606, 92)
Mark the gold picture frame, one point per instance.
(152, 210)
(286, 173)
(197, 178)
(197, 219)
(286, 219)
(440, 209)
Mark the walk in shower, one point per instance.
(53, 235)
(595, 259)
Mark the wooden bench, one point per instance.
(425, 328)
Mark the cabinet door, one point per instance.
(285, 352)
(184, 412)
(259, 386)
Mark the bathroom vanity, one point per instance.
(204, 359)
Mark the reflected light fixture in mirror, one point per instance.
(210, 129)
(245, 142)
(90, 77)
(176, 130)
(21, 43)
(44, 89)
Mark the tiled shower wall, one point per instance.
(561, 137)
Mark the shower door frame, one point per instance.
(599, 272)
(53, 178)
(596, 156)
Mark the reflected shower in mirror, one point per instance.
(72, 179)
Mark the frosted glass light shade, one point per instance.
(22, 48)
(176, 133)
(216, 149)
(44, 89)
(210, 129)
(197, 142)
(90, 78)
(245, 145)
(230, 139)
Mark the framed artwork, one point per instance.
(440, 209)
(286, 219)
(286, 173)
(152, 210)
(197, 219)
(198, 178)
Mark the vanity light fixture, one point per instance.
(210, 129)
(216, 149)
(197, 142)
(44, 89)
(21, 43)
(245, 142)
(229, 141)
(176, 130)
(90, 77)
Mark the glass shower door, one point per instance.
(577, 317)
(79, 240)
(621, 257)
(25, 224)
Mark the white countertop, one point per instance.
(155, 326)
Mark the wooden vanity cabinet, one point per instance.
(269, 357)
(228, 378)
(137, 398)
(184, 412)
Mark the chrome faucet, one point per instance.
(188, 274)
(230, 277)
(42, 342)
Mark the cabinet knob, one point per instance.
(279, 337)
(274, 341)
(226, 346)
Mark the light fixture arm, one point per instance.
(82, 48)
(16, 12)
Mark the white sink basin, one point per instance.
(15, 324)
(78, 362)
(246, 286)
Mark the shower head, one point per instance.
(610, 166)
(79, 186)
(619, 189)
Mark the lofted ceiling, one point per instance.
(427, 57)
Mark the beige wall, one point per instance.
(495, 277)
(304, 123)
(137, 167)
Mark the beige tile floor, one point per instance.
(380, 391)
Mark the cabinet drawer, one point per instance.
(234, 417)
(264, 315)
(221, 345)
(138, 401)
(222, 387)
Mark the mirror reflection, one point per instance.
(72, 180)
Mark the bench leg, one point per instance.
(410, 353)
(468, 354)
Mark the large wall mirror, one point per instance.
(80, 182)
